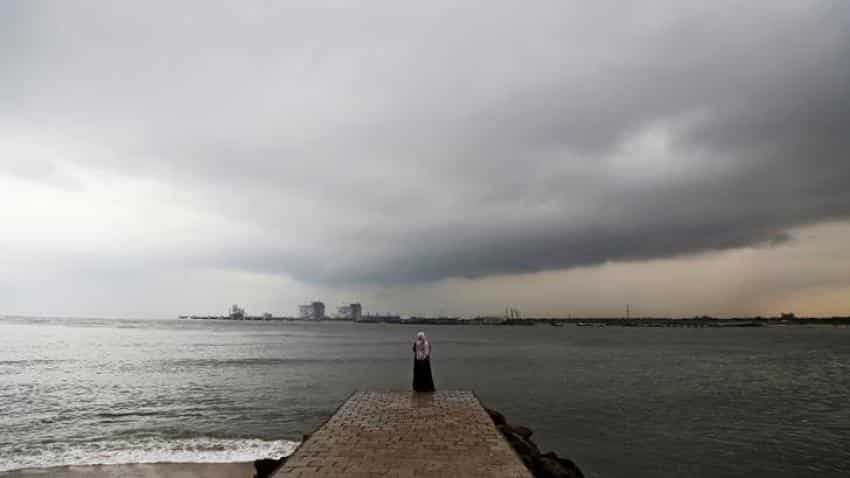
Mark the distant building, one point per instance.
(305, 311)
(356, 311)
(350, 311)
(314, 310)
(237, 313)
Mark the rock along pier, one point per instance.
(404, 434)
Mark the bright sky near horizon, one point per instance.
(562, 158)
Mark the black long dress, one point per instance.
(422, 379)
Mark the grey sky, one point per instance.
(298, 149)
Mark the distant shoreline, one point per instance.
(590, 322)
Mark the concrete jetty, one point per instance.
(404, 434)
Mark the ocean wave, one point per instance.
(149, 450)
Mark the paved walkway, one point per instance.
(402, 434)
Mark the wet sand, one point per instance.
(140, 470)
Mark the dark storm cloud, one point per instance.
(394, 144)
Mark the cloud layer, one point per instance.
(384, 144)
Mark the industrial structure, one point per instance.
(237, 313)
(511, 313)
(314, 311)
(350, 311)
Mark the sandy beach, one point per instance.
(140, 470)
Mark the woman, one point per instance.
(422, 380)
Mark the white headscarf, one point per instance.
(423, 347)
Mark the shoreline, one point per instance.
(138, 470)
(578, 322)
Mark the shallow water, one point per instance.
(642, 402)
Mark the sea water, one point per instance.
(621, 402)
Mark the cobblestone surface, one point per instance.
(395, 434)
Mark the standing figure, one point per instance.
(422, 380)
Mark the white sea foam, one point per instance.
(152, 450)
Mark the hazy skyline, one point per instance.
(563, 158)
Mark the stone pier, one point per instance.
(403, 434)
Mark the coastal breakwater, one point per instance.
(542, 465)
(446, 433)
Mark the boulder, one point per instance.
(522, 431)
(550, 465)
(497, 417)
(571, 467)
(522, 446)
(267, 466)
